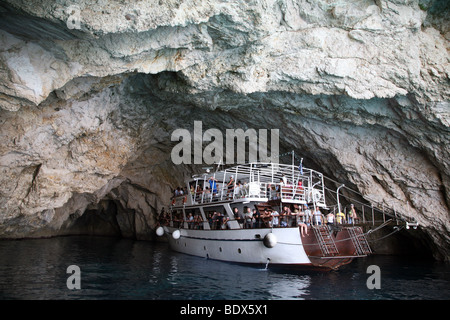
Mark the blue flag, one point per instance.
(300, 167)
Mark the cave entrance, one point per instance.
(99, 221)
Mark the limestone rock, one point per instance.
(90, 93)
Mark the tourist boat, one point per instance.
(207, 219)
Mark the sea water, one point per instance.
(112, 268)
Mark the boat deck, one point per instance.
(254, 182)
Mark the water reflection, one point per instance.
(126, 269)
(288, 288)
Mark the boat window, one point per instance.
(177, 218)
(194, 219)
(217, 218)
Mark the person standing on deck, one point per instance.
(330, 218)
(307, 215)
(317, 216)
(256, 218)
(340, 218)
(230, 186)
(248, 216)
(301, 222)
(213, 185)
(285, 217)
(275, 219)
(352, 217)
(238, 217)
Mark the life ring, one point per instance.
(315, 196)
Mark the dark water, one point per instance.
(125, 269)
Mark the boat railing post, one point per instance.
(323, 189)
(269, 193)
(301, 192)
(204, 188)
(235, 181)
(281, 191)
(364, 218)
(373, 216)
(265, 193)
(196, 193)
(223, 184)
(337, 196)
(294, 189)
(259, 184)
(212, 186)
(271, 166)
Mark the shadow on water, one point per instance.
(113, 268)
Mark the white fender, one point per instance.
(176, 234)
(160, 231)
(270, 240)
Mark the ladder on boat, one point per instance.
(325, 241)
(359, 241)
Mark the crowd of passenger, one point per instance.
(213, 190)
(290, 216)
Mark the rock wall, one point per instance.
(91, 92)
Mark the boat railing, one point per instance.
(294, 194)
(368, 213)
(256, 181)
(250, 190)
(283, 221)
(253, 191)
(286, 221)
(373, 215)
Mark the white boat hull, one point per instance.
(241, 245)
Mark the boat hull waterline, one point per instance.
(247, 246)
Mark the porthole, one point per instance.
(220, 249)
(239, 250)
(204, 248)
